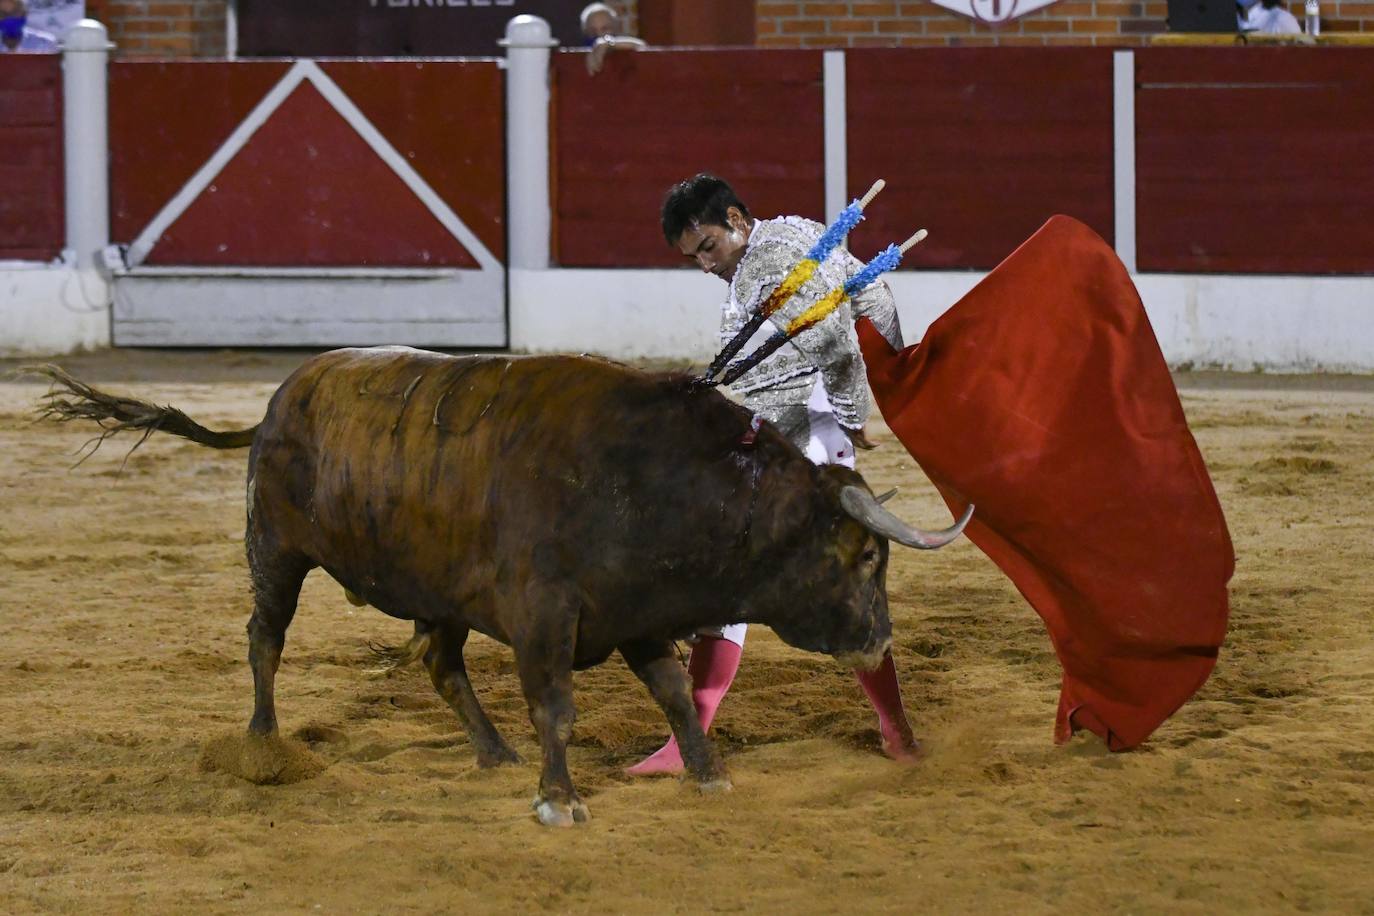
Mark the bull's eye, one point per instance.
(870, 555)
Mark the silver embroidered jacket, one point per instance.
(778, 388)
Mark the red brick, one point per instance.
(1070, 9)
(824, 9)
(1117, 9)
(765, 27)
(873, 41)
(823, 41)
(1041, 26)
(803, 26)
(873, 10)
(765, 8)
(920, 41)
(949, 26)
(1142, 26)
(1095, 26)
(153, 26)
(1068, 40)
(171, 10)
(1018, 41)
(779, 41)
(902, 26)
(851, 26)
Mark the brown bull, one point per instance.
(568, 507)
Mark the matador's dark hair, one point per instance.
(703, 199)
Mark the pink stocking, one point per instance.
(886, 697)
(712, 667)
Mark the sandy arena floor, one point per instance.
(123, 599)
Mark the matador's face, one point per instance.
(716, 249)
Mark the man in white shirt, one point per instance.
(814, 389)
(604, 30)
(15, 35)
(1267, 16)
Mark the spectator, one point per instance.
(603, 33)
(16, 36)
(1267, 16)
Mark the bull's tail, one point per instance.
(390, 658)
(72, 399)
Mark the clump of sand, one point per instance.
(264, 761)
(1299, 464)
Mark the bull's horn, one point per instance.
(884, 497)
(863, 507)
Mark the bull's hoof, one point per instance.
(560, 814)
(714, 786)
(486, 759)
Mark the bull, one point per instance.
(569, 507)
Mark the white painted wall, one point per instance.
(50, 309)
(1275, 323)
(623, 314)
(285, 307)
(1279, 324)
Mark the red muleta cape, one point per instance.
(1043, 398)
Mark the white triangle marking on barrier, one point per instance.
(301, 71)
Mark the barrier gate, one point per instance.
(308, 202)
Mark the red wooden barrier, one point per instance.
(32, 225)
(307, 189)
(1255, 160)
(979, 145)
(652, 118)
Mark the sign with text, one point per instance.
(392, 28)
(993, 12)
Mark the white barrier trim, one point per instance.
(1123, 155)
(1275, 323)
(529, 211)
(379, 273)
(836, 136)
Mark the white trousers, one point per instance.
(827, 444)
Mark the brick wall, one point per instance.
(196, 28)
(163, 28)
(917, 23)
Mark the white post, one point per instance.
(1123, 144)
(85, 54)
(231, 30)
(528, 42)
(836, 124)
